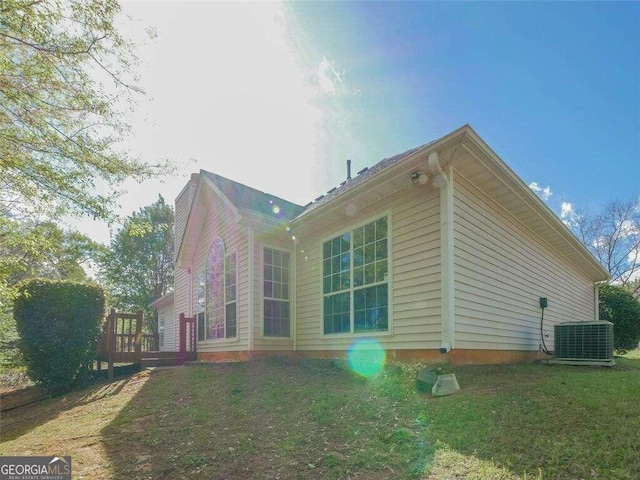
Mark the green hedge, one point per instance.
(59, 323)
(622, 309)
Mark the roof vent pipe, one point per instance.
(348, 169)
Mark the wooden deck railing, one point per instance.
(122, 340)
(150, 342)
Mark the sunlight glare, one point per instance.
(366, 357)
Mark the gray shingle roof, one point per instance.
(362, 176)
(248, 198)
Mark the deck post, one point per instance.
(111, 342)
(138, 338)
(183, 339)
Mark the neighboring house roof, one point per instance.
(163, 301)
(248, 198)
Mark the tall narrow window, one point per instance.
(370, 271)
(336, 283)
(276, 311)
(201, 304)
(215, 290)
(230, 293)
(220, 295)
(355, 273)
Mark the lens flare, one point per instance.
(366, 357)
(276, 209)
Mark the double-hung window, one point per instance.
(276, 293)
(355, 288)
(220, 293)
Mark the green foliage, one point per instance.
(138, 266)
(35, 249)
(59, 323)
(65, 79)
(10, 356)
(619, 307)
(31, 249)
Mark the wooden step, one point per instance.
(164, 361)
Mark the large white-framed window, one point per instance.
(355, 280)
(220, 296)
(276, 292)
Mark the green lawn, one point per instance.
(284, 419)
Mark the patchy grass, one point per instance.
(284, 419)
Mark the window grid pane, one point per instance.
(336, 264)
(371, 309)
(276, 318)
(337, 313)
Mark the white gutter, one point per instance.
(446, 254)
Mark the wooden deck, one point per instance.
(122, 341)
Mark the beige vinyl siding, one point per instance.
(220, 221)
(168, 326)
(260, 342)
(180, 275)
(501, 270)
(414, 223)
(180, 305)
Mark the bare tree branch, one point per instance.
(613, 237)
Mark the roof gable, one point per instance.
(241, 200)
(247, 198)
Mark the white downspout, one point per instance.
(293, 295)
(251, 285)
(447, 287)
(176, 326)
(596, 302)
(190, 300)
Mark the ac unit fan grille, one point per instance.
(584, 341)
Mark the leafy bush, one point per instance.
(619, 307)
(10, 356)
(59, 323)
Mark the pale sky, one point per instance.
(279, 96)
(225, 93)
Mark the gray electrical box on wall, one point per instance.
(543, 302)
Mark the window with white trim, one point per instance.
(220, 293)
(276, 293)
(355, 280)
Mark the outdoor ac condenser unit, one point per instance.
(584, 342)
